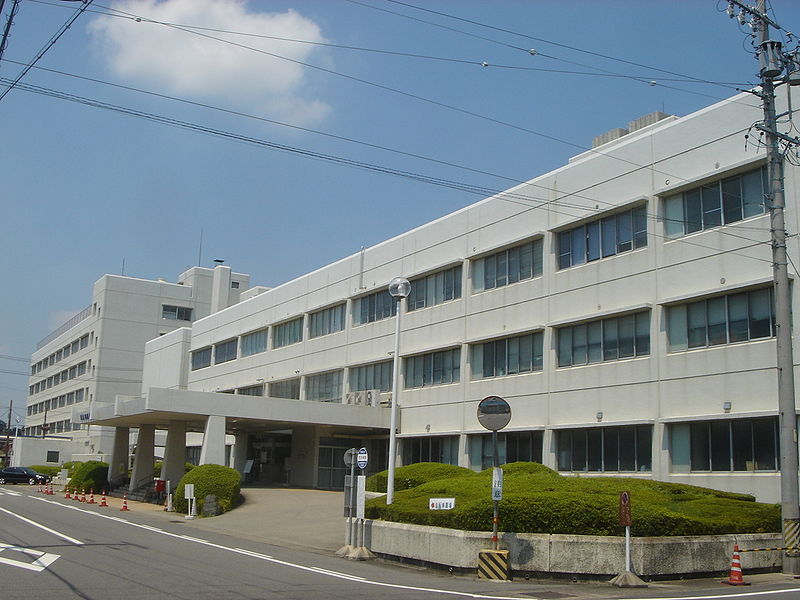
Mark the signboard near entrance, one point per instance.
(625, 509)
(362, 458)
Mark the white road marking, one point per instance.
(42, 561)
(357, 579)
(47, 529)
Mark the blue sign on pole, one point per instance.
(362, 458)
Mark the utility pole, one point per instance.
(8, 433)
(772, 63)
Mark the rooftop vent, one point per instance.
(609, 136)
(653, 117)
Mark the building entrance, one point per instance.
(269, 453)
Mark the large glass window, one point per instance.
(510, 356)
(605, 449)
(722, 320)
(377, 376)
(289, 389)
(604, 237)
(329, 320)
(226, 351)
(438, 449)
(253, 390)
(374, 307)
(607, 339)
(726, 445)
(201, 358)
(287, 333)
(176, 313)
(511, 447)
(714, 204)
(255, 342)
(326, 387)
(435, 288)
(434, 368)
(507, 266)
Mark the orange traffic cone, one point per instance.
(51, 492)
(735, 577)
(67, 495)
(91, 496)
(39, 491)
(125, 502)
(83, 495)
(103, 503)
(76, 495)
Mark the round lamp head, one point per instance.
(399, 287)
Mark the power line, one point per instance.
(47, 47)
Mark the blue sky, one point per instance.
(86, 188)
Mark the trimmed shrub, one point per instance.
(70, 466)
(90, 475)
(222, 482)
(539, 500)
(46, 469)
(413, 475)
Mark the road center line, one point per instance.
(357, 579)
(40, 526)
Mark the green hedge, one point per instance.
(46, 469)
(414, 475)
(90, 475)
(222, 482)
(539, 500)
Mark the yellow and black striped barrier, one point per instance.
(494, 564)
(787, 548)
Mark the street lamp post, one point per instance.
(399, 288)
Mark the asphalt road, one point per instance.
(54, 548)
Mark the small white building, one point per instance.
(621, 304)
(98, 354)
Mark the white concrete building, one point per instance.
(98, 354)
(621, 304)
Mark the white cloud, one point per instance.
(167, 59)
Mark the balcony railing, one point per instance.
(86, 312)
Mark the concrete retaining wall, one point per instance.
(573, 554)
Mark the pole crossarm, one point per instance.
(786, 138)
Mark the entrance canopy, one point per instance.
(242, 413)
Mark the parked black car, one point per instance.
(22, 475)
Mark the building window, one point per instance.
(176, 313)
(507, 266)
(84, 341)
(66, 350)
(374, 307)
(81, 368)
(607, 339)
(433, 368)
(287, 333)
(289, 389)
(329, 320)
(377, 376)
(510, 356)
(253, 390)
(234, 285)
(604, 237)
(76, 346)
(326, 387)
(714, 204)
(255, 342)
(52, 455)
(729, 445)
(511, 447)
(605, 449)
(226, 351)
(201, 358)
(721, 320)
(438, 449)
(435, 288)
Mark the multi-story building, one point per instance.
(98, 354)
(621, 304)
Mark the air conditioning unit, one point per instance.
(373, 398)
(355, 397)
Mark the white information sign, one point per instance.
(442, 503)
(188, 490)
(497, 483)
(361, 488)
